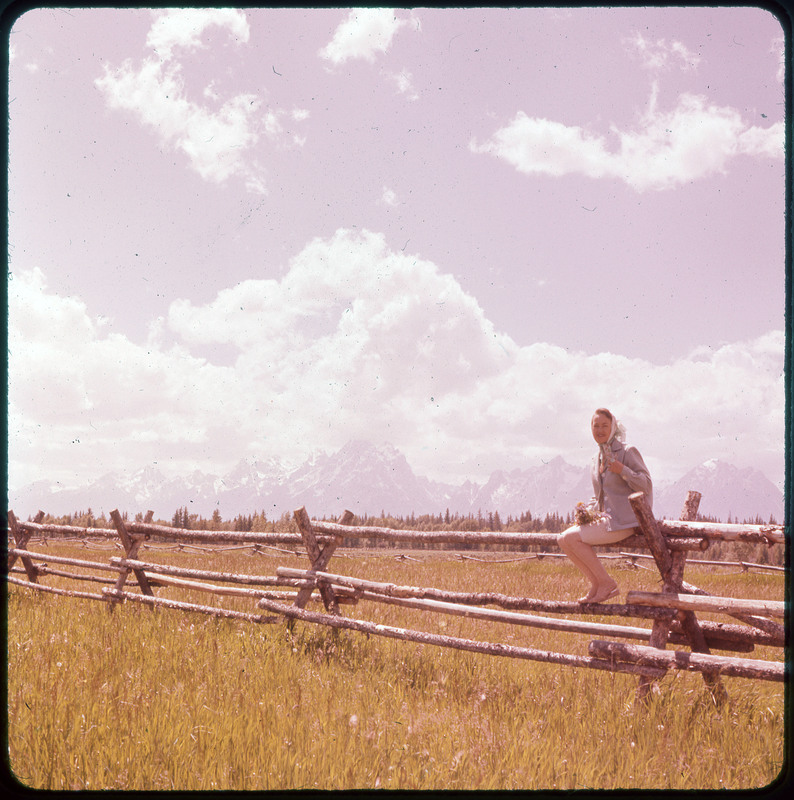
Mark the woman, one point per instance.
(617, 472)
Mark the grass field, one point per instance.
(144, 699)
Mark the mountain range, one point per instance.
(371, 479)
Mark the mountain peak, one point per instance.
(369, 478)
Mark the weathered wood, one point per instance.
(165, 533)
(489, 648)
(131, 547)
(40, 587)
(319, 557)
(209, 588)
(74, 562)
(694, 662)
(425, 538)
(694, 630)
(724, 605)
(727, 636)
(702, 562)
(74, 576)
(21, 538)
(671, 567)
(185, 572)
(515, 618)
(727, 532)
(674, 544)
(42, 529)
(213, 611)
(653, 536)
(497, 599)
(719, 636)
(473, 612)
(689, 622)
(660, 632)
(768, 626)
(770, 534)
(691, 505)
(695, 532)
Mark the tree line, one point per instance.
(260, 522)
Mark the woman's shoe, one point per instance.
(604, 594)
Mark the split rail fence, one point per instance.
(641, 651)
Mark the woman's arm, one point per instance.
(635, 473)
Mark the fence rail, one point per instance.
(284, 595)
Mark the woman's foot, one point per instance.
(589, 596)
(603, 593)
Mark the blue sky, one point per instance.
(257, 233)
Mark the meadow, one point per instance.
(147, 699)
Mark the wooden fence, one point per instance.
(285, 595)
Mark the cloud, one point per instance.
(358, 340)
(217, 137)
(778, 49)
(403, 80)
(389, 197)
(214, 141)
(84, 400)
(182, 28)
(666, 149)
(661, 54)
(363, 34)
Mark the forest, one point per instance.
(526, 522)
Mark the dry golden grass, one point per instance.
(144, 699)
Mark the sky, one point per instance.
(251, 234)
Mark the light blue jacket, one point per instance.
(612, 490)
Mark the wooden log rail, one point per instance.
(468, 605)
(167, 534)
(727, 605)
(619, 652)
(680, 534)
(744, 566)
(671, 612)
(458, 643)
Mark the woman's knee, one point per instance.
(570, 537)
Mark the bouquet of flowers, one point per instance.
(585, 514)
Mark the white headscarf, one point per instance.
(605, 450)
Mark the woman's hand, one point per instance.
(616, 467)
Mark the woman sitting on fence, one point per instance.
(617, 472)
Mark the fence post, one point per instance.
(689, 622)
(319, 558)
(131, 547)
(671, 567)
(21, 539)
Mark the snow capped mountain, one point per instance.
(369, 479)
(363, 478)
(726, 490)
(555, 486)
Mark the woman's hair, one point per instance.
(605, 412)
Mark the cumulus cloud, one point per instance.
(362, 35)
(358, 340)
(217, 138)
(182, 28)
(84, 400)
(666, 148)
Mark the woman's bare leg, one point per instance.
(583, 556)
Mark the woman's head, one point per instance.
(603, 425)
